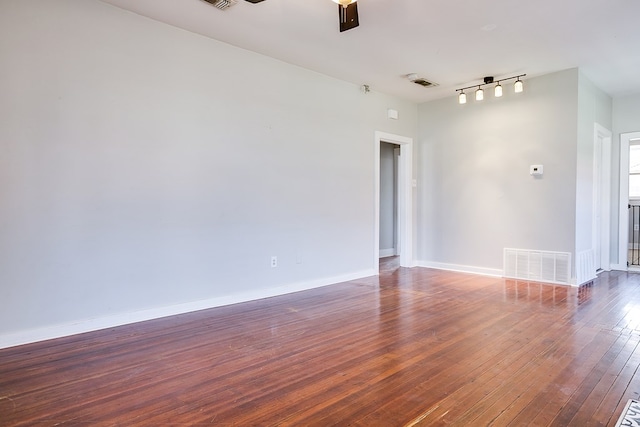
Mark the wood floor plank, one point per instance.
(616, 393)
(577, 361)
(410, 347)
(586, 409)
(518, 366)
(578, 379)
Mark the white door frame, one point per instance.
(623, 214)
(405, 198)
(602, 196)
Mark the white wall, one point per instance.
(475, 194)
(626, 119)
(144, 166)
(594, 106)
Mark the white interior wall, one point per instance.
(475, 193)
(144, 166)
(594, 106)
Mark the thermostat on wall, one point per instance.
(536, 170)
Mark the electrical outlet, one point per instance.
(636, 227)
(274, 261)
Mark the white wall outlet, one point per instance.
(636, 227)
(536, 170)
(274, 261)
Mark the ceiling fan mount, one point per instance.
(347, 11)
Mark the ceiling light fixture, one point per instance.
(497, 91)
(344, 3)
(348, 14)
(518, 87)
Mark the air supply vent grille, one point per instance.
(424, 83)
(222, 4)
(539, 266)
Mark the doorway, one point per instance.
(628, 189)
(404, 211)
(389, 157)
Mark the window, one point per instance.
(634, 170)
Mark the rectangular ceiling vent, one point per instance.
(222, 4)
(538, 266)
(424, 83)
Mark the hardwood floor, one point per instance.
(411, 347)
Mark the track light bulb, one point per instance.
(518, 86)
(498, 91)
(462, 98)
(479, 94)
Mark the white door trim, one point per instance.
(623, 213)
(405, 198)
(602, 196)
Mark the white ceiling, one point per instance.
(453, 43)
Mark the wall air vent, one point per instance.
(222, 4)
(538, 266)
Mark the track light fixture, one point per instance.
(518, 87)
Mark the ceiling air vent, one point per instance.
(413, 77)
(424, 83)
(222, 4)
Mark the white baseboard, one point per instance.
(387, 252)
(619, 267)
(89, 325)
(483, 271)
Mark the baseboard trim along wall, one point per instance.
(619, 267)
(387, 252)
(483, 271)
(89, 325)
